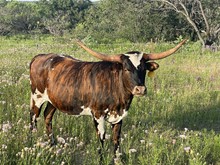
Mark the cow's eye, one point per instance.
(127, 70)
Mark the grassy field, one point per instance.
(177, 123)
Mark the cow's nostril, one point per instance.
(139, 90)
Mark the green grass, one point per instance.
(178, 122)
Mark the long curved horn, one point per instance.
(101, 56)
(157, 56)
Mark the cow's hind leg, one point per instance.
(34, 114)
(48, 115)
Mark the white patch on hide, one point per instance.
(86, 111)
(101, 126)
(39, 98)
(115, 118)
(135, 58)
(61, 55)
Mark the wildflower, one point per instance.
(107, 136)
(80, 144)
(22, 154)
(59, 152)
(62, 163)
(186, 129)
(6, 127)
(71, 139)
(42, 144)
(117, 161)
(142, 141)
(3, 102)
(18, 154)
(38, 155)
(132, 150)
(66, 145)
(187, 149)
(4, 146)
(118, 153)
(61, 140)
(174, 141)
(27, 126)
(150, 144)
(182, 136)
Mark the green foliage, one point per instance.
(109, 20)
(59, 16)
(133, 21)
(18, 17)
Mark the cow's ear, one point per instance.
(151, 66)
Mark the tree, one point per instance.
(202, 15)
(17, 17)
(124, 19)
(59, 15)
(132, 20)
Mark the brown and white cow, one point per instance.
(101, 89)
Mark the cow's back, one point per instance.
(40, 67)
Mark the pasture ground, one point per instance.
(177, 123)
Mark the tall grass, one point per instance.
(178, 122)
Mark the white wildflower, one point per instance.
(4, 146)
(6, 127)
(173, 141)
(61, 140)
(132, 150)
(182, 136)
(107, 136)
(59, 152)
(80, 144)
(3, 102)
(42, 144)
(142, 141)
(187, 149)
(71, 139)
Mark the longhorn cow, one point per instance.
(103, 89)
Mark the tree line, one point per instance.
(113, 20)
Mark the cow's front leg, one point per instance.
(100, 130)
(116, 128)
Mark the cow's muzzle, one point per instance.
(139, 90)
